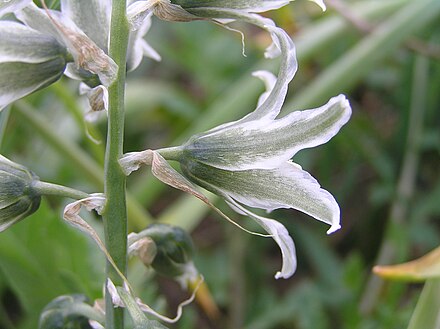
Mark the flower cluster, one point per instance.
(248, 162)
(45, 44)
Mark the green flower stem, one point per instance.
(59, 190)
(171, 153)
(82, 162)
(115, 211)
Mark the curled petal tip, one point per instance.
(321, 4)
(333, 228)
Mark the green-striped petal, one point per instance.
(266, 143)
(287, 186)
(29, 61)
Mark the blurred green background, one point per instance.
(383, 168)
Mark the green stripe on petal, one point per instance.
(285, 187)
(20, 79)
(19, 43)
(248, 5)
(267, 143)
(29, 61)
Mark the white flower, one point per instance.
(247, 162)
(73, 41)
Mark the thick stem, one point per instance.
(115, 212)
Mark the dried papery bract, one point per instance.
(122, 297)
(162, 170)
(71, 215)
(86, 53)
(98, 101)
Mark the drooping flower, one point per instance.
(247, 162)
(29, 61)
(81, 30)
(190, 10)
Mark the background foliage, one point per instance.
(383, 168)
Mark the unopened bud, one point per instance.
(172, 252)
(70, 311)
(18, 198)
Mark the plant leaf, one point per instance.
(423, 268)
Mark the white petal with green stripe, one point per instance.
(267, 143)
(29, 61)
(287, 186)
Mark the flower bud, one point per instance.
(171, 251)
(18, 198)
(66, 312)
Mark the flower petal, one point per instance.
(281, 236)
(11, 6)
(266, 143)
(19, 43)
(38, 19)
(20, 79)
(92, 17)
(320, 3)
(254, 6)
(269, 80)
(138, 47)
(29, 61)
(285, 187)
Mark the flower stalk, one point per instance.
(115, 211)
